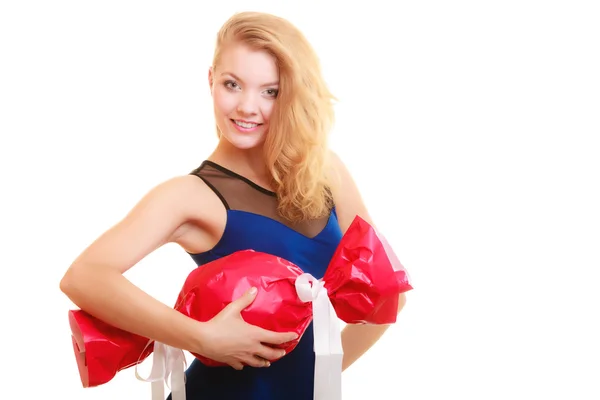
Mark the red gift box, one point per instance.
(362, 284)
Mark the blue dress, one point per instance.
(252, 223)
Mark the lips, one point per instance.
(245, 124)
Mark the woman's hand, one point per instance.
(227, 338)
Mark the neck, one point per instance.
(246, 162)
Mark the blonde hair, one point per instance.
(296, 146)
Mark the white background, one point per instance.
(470, 127)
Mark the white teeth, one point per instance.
(245, 124)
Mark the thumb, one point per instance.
(244, 301)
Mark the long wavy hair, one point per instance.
(296, 145)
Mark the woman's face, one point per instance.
(244, 86)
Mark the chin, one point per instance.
(243, 142)
(248, 146)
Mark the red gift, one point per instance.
(365, 277)
(101, 350)
(362, 284)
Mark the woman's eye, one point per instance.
(272, 92)
(231, 85)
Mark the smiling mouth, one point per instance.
(245, 125)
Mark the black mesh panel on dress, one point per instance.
(238, 193)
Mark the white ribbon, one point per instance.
(168, 364)
(327, 341)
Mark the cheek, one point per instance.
(224, 102)
(267, 108)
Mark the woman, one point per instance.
(271, 184)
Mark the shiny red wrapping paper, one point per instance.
(363, 280)
(365, 277)
(276, 307)
(101, 350)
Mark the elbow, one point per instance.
(401, 301)
(72, 281)
(68, 282)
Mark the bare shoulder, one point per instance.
(172, 211)
(186, 197)
(346, 194)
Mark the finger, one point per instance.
(237, 365)
(271, 337)
(257, 362)
(269, 353)
(243, 301)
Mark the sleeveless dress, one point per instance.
(252, 223)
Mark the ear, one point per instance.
(210, 79)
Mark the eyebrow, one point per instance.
(234, 76)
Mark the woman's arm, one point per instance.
(96, 284)
(356, 339)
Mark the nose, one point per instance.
(248, 105)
